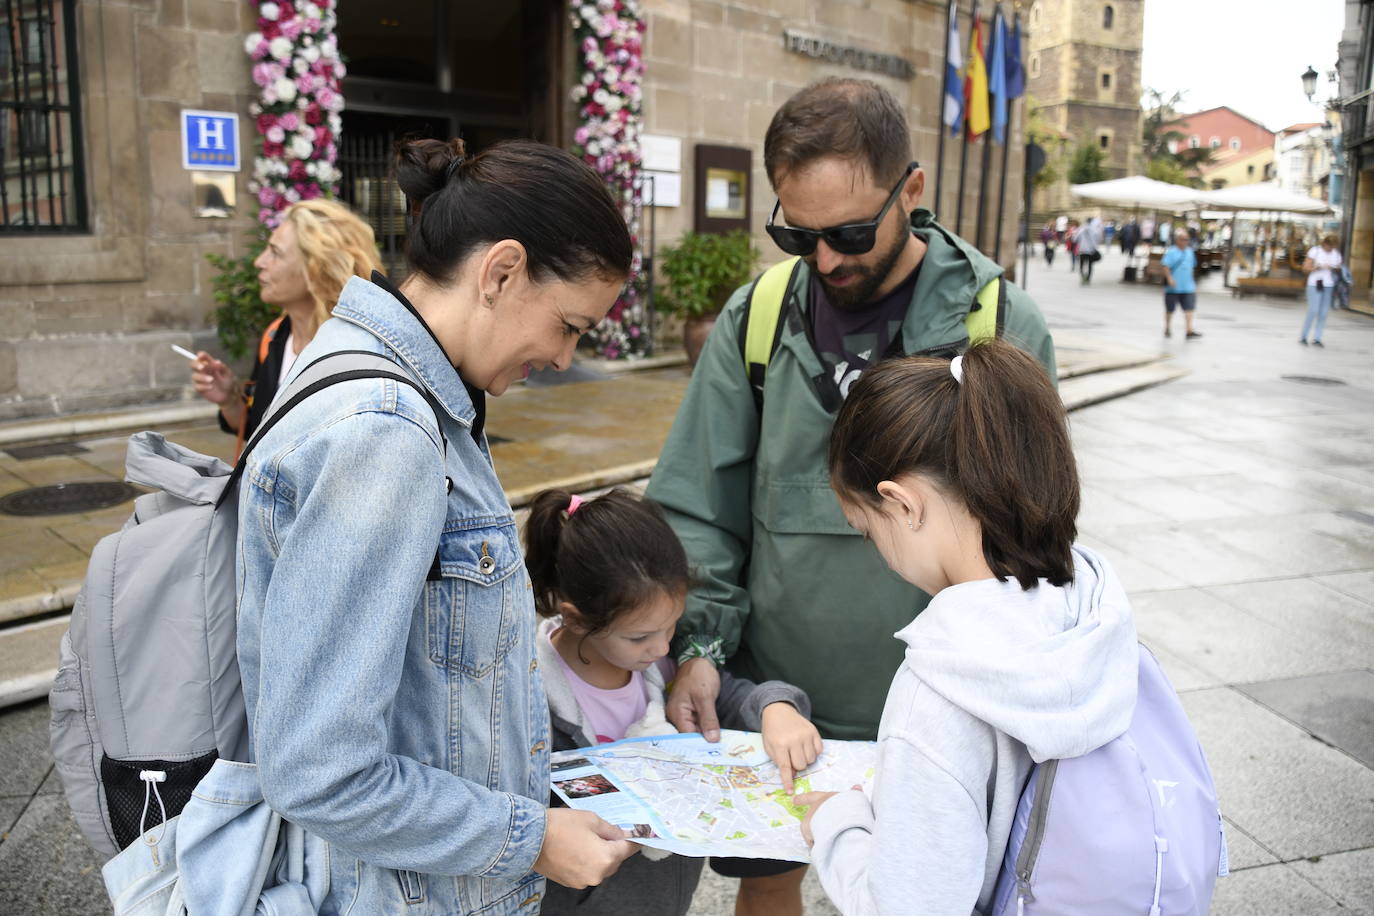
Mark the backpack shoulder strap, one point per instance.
(988, 316)
(331, 369)
(763, 321)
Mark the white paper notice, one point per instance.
(667, 189)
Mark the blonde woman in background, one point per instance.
(308, 259)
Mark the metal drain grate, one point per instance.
(46, 450)
(64, 498)
(1312, 379)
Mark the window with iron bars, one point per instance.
(42, 175)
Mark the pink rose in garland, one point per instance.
(297, 69)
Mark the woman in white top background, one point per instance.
(1321, 265)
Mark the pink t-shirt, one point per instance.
(611, 711)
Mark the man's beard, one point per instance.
(856, 296)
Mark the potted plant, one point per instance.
(700, 272)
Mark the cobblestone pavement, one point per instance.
(1237, 503)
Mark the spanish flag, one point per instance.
(976, 83)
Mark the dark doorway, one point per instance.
(475, 69)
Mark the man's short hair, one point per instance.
(852, 119)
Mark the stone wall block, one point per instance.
(217, 16)
(767, 55)
(170, 185)
(9, 368)
(223, 66)
(172, 13)
(96, 315)
(716, 49)
(666, 39)
(708, 12)
(750, 21)
(64, 366)
(668, 110)
(167, 65)
(722, 124)
(171, 267)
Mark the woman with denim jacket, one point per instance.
(386, 624)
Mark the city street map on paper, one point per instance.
(688, 796)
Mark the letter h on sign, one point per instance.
(210, 140)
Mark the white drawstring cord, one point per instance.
(150, 779)
(1161, 847)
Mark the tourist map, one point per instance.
(686, 795)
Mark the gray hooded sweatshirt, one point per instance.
(994, 678)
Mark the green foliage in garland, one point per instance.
(240, 314)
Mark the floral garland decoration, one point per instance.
(297, 68)
(609, 34)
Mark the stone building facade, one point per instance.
(90, 312)
(1083, 72)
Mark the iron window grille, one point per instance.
(42, 171)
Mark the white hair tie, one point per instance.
(956, 369)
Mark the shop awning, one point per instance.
(1140, 192)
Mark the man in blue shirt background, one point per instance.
(1180, 289)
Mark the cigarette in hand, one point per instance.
(185, 352)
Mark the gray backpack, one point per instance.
(147, 694)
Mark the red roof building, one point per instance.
(1222, 129)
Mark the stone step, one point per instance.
(1084, 390)
(28, 659)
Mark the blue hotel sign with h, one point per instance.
(210, 140)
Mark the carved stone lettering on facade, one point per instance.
(858, 58)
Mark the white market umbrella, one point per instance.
(1140, 192)
(1264, 197)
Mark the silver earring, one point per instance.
(909, 525)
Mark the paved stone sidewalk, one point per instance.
(1238, 507)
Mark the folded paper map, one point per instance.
(689, 796)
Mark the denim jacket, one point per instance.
(395, 710)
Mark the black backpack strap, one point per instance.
(329, 370)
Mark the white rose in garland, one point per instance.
(297, 69)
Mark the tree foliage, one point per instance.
(1167, 156)
(1086, 165)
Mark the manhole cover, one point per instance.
(47, 450)
(67, 497)
(1312, 379)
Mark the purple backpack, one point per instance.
(1132, 827)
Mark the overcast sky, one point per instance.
(1248, 54)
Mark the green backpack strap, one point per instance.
(763, 321)
(988, 315)
(763, 318)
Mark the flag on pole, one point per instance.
(1016, 70)
(976, 82)
(997, 76)
(954, 97)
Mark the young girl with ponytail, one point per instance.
(611, 578)
(962, 475)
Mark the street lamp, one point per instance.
(1309, 83)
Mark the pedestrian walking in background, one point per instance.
(1321, 265)
(1180, 291)
(1130, 235)
(1089, 240)
(1061, 226)
(1147, 231)
(1049, 239)
(1071, 243)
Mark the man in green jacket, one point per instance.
(787, 590)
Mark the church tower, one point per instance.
(1083, 73)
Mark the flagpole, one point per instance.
(986, 165)
(963, 151)
(944, 92)
(1006, 152)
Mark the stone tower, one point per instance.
(1083, 71)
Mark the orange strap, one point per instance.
(264, 344)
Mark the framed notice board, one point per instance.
(721, 185)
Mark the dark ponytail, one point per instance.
(541, 196)
(612, 555)
(998, 442)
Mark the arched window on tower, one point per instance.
(1108, 15)
(1035, 16)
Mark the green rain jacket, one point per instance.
(791, 591)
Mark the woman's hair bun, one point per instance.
(422, 167)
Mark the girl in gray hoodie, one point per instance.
(962, 475)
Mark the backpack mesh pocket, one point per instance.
(126, 794)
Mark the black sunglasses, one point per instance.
(851, 238)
